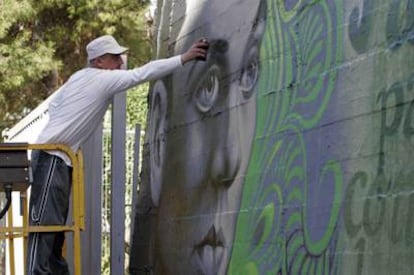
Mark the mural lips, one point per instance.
(210, 250)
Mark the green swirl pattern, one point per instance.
(300, 51)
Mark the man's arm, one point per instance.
(114, 81)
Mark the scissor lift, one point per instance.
(16, 176)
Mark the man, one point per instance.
(75, 111)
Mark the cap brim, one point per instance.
(119, 50)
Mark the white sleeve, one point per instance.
(157, 69)
(116, 81)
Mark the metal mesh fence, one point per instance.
(106, 193)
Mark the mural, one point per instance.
(288, 151)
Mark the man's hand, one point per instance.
(197, 51)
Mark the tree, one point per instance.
(42, 43)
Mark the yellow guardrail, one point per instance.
(10, 232)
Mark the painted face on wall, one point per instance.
(202, 124)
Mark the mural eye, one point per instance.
(250, 73)
(208, 90)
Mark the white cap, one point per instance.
(103, 45)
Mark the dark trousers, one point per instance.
(49, 204)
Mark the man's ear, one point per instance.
(157, 126)
(92, 63)
(97, 62)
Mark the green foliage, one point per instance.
(42, 43)
(137, 105)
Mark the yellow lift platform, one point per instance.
(15, 176)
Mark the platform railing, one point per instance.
(10, 232)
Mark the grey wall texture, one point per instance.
(290, 149)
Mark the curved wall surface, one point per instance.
(290, 149)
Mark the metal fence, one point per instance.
(131, 179)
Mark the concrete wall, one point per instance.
(290, 150)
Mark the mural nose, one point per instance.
(225, 165)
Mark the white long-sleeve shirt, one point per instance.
(78, 107)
